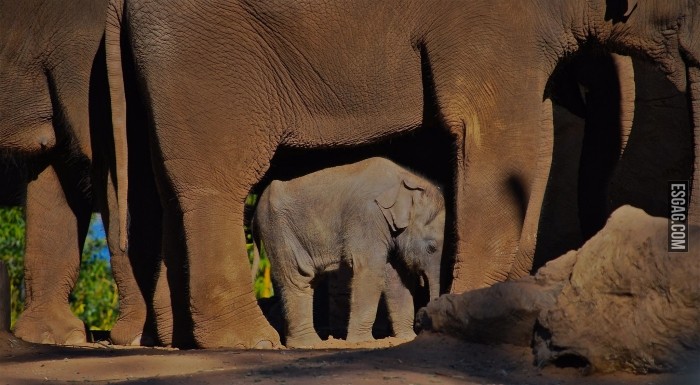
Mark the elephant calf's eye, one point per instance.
(432, 246)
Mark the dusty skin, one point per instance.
(430, 359)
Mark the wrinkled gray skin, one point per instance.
(219, 75)
(46, 57)
(55, 134)
(358, 214)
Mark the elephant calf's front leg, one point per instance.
(366, 289)
(298, 305)
(399, 303)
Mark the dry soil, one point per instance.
(430, 359)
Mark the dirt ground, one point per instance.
(430, 359)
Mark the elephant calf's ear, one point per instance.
(396, 204)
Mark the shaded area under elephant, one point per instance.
(373, 218)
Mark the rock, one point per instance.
(503, 313)
(621, 302)
(629, 303)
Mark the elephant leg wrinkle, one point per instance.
(52, 262)
(213, 286)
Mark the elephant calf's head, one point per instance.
(415, 212)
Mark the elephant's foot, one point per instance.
(128, 331)
(164, 334)
(405, 335)
(305, 341)
(50, 325)
(359, 336)
(140, 339)
(256, 334)
(162, 324)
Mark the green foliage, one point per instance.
(94, 299)
(263, 282)
(11, 253)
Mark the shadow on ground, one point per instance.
(430, 359)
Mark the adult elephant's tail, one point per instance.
(117, 95)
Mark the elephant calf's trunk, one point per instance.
(433, 278)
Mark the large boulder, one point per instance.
(503, 313)
(621, 302)
(629, 304)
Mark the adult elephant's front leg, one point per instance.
(499, 195)
(223, 307)
(488, 225)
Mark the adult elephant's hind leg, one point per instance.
(161, 309)
(135, 274)
(224, 310)
(55, 234)
(222, 305)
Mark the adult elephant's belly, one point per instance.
(352, 129)
(338, 102)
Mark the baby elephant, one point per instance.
(362, 215)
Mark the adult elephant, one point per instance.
(227, 83)
(55, 129)
(612, 114)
